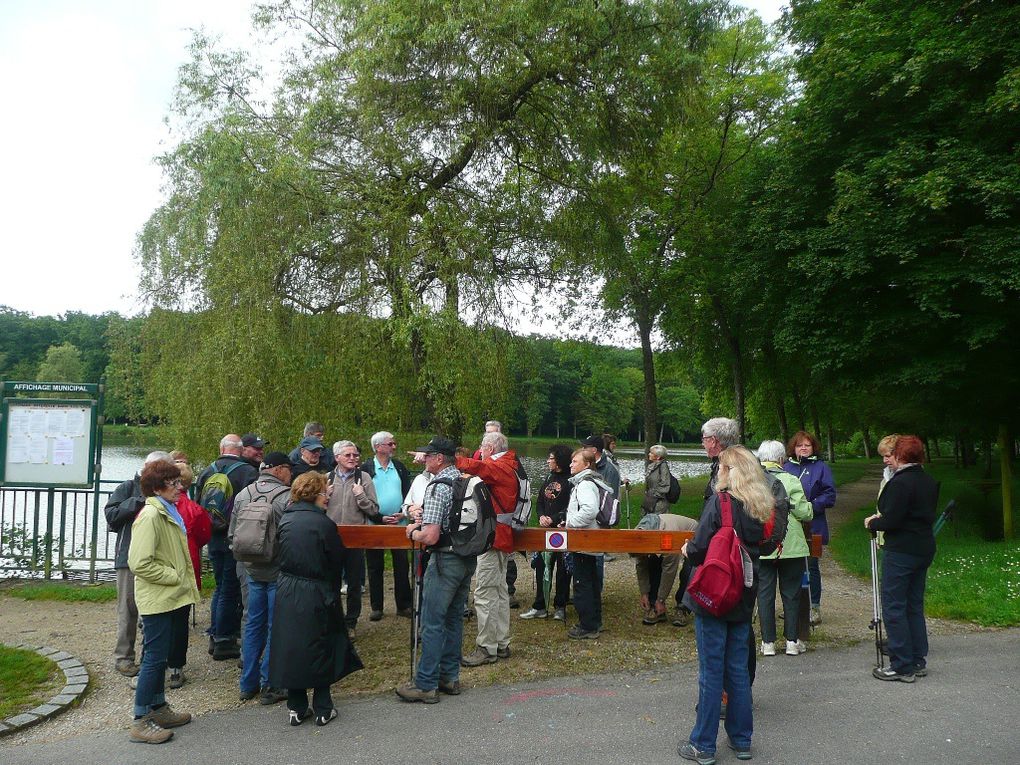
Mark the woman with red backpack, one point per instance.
(742, 504)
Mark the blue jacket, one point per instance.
(816, 477)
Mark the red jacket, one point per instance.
(501, 477)
(199, 530)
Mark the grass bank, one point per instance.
(973, 578)
(63, 591)
(26, 680)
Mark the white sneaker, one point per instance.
(795, 647)
(768, 649)
(534, 613)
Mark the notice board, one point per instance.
(47, 442)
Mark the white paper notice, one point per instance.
(56, 422)
(75, 425)
(63, 451)
(37, 422)
(17, 449)
(19, 419)
(38, 450)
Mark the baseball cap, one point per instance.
(250, 439)
(439, 445)
(594, 441)
(275, 459)
(311, 443)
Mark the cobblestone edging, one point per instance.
(76, 680)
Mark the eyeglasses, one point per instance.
(178, 483)
(353, 455)
(323, 494)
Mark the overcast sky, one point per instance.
(85, 88)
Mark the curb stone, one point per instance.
(76, 680)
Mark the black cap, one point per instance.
(439, 445)
(250, 439)
(311, 443)
(595, 441)
(275, 459)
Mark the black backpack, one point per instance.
(674, 489)
(472, 523)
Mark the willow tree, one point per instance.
(388, 176)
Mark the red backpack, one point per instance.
(719, 582)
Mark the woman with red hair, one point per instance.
(906, 513)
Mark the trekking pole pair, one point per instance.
(876, 603)
(417, 557)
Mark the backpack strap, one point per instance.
(726, 508)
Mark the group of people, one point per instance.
(298, 635)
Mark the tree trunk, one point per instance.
(938, 449)
(1006, 471)
(736, 363)
(784, 426)
(866, 433)
(644, 322)
(830, 447)
(662, 432)
(816, 421)
(799, 403)
(986, 444)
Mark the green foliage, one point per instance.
(64, 591)
(24, 680)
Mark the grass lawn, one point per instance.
(67, 591)
(26, 680)
(973, 578)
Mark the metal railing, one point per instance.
(60, 533)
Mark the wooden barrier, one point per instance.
(575, 540)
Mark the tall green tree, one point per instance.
(62, 364)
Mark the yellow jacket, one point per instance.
(160, 561)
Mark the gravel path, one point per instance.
(87, 630)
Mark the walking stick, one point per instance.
(876, 603)
(945, 517)
(626, 497)
(416, 596)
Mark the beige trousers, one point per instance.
(492, 601)
(127, 616)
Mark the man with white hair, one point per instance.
(392, 482)
(120, 511)
(498, 468)
(717, 434)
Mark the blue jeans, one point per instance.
(722, 665)
(588, 591)
(814, 581)
(903, 581)
(445, 591)
(224, 619)
(261, 600)
(159, 633)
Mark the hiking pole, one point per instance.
(945, 517)
(626, 495)
(416, 595)
(876, 602)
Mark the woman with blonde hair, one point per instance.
(723, 641)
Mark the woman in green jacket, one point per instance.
(787, 566)
(164, 590)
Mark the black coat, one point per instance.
(310, 647)
(554, 496)
(121, 510)
(908, 504)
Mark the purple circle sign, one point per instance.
(556, 539)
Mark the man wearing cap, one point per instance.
(498, 468)
(603, 465)
(310, 452)
(272, 484)
(224, 610)
(447, 579)
(252, 448)
(315, 430)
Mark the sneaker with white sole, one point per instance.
(327, 718)
(560, 614)
(795, 647)
(768, 649)
(689, 752)
(296, 718)
(888, 673)
(534, 613)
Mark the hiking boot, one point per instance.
(147, 731)
(247, 695)
(888, 673)
(327, 718)
(126, 667)
(682, 618)
(739, 751)
(768, 649)
(225, 650)
(578, 633)
(405, 612)
(653, 617)
(920, 672)
(688, 752)
(177, 678)
(375, 616)
(478, 657)
(411, 692)
(795, 647)
(269, 696)
(560, 614)
(448, 687)
(296, 718)
(166, 717)
(816, 616)
(534, 613)
(503, 653)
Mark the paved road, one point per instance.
(822, 707)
